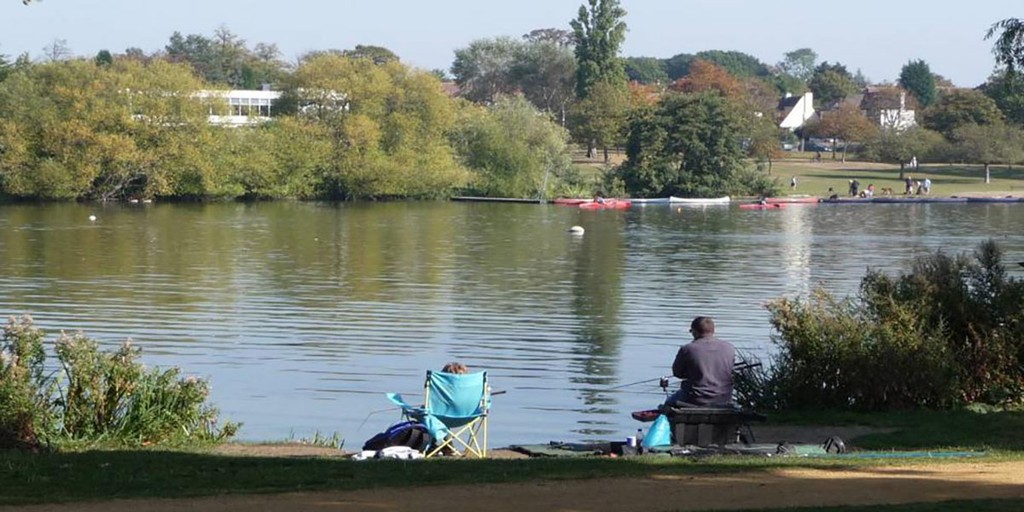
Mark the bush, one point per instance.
(949, 332)
(96, 396)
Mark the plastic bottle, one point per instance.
(639, 440)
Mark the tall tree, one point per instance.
(1009, 44)
(58, 49)
(598, 33)
(898, 147)
(917, 78)
(678, 66)
(483, 69)
(598, 120)
(545, 73)
(799, 64)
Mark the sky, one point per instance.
(875, 36)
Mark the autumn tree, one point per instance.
(846, 123)
(705, 76)
(598, 34)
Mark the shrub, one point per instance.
(96, 396)
(949, 332)
(24, 415)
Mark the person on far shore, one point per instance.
(705, 366)
(909, 182)
(927, 186)
(792, 183)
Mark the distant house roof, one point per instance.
(450, 88)
(789, 102)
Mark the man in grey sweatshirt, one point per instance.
(705, 366)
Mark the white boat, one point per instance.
(651, 200)
(699, 200)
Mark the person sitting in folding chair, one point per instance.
(455, 410)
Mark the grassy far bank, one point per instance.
(96, 475)
(815, 178)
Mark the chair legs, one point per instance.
(471, 439)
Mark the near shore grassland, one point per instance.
(109, 474)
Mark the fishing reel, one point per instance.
(663, 382)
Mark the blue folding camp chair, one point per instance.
(454, 411)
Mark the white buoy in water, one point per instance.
(92, 218)
(576, 230)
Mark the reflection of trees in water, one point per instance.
(596, 304)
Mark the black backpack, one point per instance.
(407, 433)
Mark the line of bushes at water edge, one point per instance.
(88, 396)
(948, 332)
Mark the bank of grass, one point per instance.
(815, 178)
(160, 473)
(1014, 505)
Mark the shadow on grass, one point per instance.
(1013, 505)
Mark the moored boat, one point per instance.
(608, 204)
(759, 206)
(699, 200)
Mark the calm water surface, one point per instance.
(304, 314)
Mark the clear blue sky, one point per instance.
(877, 36)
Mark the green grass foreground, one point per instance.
(99, 474)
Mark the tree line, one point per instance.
(360, 124)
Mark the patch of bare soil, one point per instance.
(778, 488)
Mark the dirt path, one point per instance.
(780, 488)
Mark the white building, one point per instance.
(245, 107)
(796, 110)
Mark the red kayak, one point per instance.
(608, 204)
(570, 201)
(759, 206)
(791, 200)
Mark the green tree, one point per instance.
(550, 35)
(959, 108)
(738, 64)
(545, 73)
(898, 147)
(1007, 90)
(598, 33)
(104, 58)
(917, 78)
(387, 127)
(831, 84)
(989, 144)
(765, 141)
(5, 67)
(1009, 42)
(688, 145)
(597, 121)
(646, 70)
(483, 69)
(378, 54)
(678, 66)
(513, 150)
(799, 64)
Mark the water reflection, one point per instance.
(303, 314)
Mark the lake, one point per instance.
(304, 314)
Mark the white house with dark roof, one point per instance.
(795, 110)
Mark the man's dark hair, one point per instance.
(702, 326)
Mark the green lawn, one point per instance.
(98, 474)
(815, 178)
